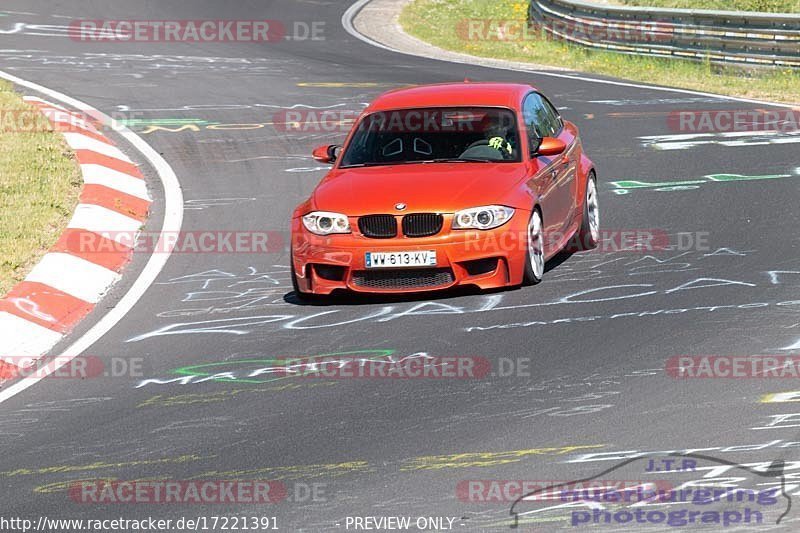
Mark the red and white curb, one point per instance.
(69, 280)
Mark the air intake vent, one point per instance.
(378, 226)
(422, 224)
(403, 279)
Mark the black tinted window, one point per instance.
(541, 119)
(555, 118)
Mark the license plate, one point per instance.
(400, 259)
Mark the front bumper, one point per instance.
(486, 259)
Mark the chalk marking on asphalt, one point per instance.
(101, 465)
(160, 400)
(355, 9)
(173, 219)
(66, 485)
(483, 459)
(339, 84)
(780, 397)
(303, 471)
(329, 470)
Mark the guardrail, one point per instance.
(718, 36)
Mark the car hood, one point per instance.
(431, 187)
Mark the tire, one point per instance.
(589, 232)
(534, 255)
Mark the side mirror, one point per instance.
(325, 154)
(551, 146)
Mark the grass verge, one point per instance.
(438, 22)
(767, 6)
(39, 185)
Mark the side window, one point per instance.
(533, 115)
(555, 118)
(539, 120)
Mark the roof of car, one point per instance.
(452, 95)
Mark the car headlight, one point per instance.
(325, 223)
(485, 217)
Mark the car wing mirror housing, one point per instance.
(551, 146)
(327, 153)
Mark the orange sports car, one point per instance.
(444, 185)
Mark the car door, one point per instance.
(547, 172)
(566, 166)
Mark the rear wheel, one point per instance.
(534, 256)
(589, 233)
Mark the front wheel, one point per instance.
(534, 256)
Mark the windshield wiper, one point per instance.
(457, 160)
(422, 162)
(372, 164)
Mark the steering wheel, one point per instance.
(482, 149)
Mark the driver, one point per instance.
(495, 138)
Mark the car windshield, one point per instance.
(434, 135)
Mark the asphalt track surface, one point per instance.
(392, 447)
